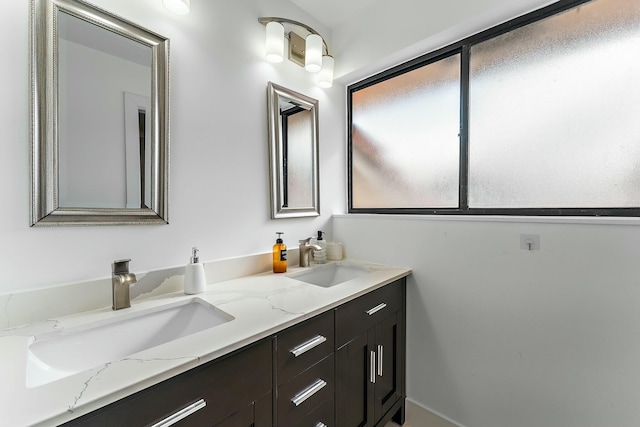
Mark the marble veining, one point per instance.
(97, 371)
(20, 308)
(32, 329)
(86, 386)
(268, 295)
(153, 283)
(261, 305)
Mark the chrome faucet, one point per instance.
(121, 281)
(304, 249)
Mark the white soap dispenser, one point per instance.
(194, 280)
(320, 256)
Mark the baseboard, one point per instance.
(419, 416)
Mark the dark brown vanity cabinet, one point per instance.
(305, 373)
(233, 391)
(257, 414)
(370, 358)
(342, 368)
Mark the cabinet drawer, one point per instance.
(322, 416)
(224, 386)
(303, 345)
(304, 393)
(357, 316)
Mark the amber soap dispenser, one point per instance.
(279, 255)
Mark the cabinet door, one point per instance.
(257, 414)
(263, 411)
(389, 356)
(355, 382)
(242, 418)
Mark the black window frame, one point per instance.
(463, 47)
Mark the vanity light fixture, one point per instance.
(313, 53)
(325, 76)
(179, 7)
(310, 52)
(275, 42)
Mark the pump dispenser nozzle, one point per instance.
(194, 258)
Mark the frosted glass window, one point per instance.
(554, 112)
(404, 139)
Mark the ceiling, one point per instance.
(333, 12)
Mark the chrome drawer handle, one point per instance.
(320, 424)
(380, 353)
(308, 392)
(372, 368)
(304, 347)
(376, 309)
(181, 414)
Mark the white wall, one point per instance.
(219, 158)
(503, 337)
(387, 33)
(499, 336)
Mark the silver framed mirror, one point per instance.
(293, 153)
(99, 118)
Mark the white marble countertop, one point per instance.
(261, 305)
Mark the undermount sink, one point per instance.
(331, 274)
(58, 354)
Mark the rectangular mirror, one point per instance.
(293, 143)
(100, 143)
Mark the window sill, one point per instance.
(599, 220)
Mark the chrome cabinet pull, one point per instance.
(181, 414)
(372, 367)
(308, 392)
(320, 424)
(376, 309)
(380, 354)
(304, 347)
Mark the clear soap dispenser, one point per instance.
(194, 280)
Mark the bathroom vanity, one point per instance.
(293, 354)
(235, 391)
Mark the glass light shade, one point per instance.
(313, 53)
(179, 7)
(275, 42)
(325, 76)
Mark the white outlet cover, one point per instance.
(530, 242)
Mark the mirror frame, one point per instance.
(276, 150)
(45, 209)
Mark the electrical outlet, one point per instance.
(530, 242)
